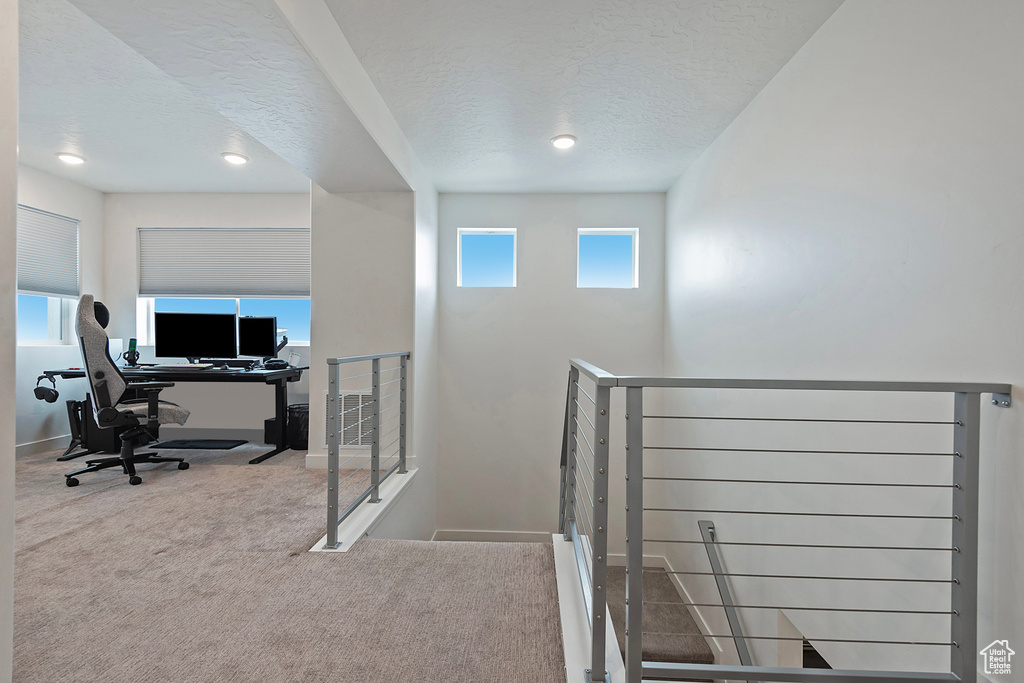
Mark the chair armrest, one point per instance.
(150, 386)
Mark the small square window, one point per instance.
(487, 258)
(608, 258)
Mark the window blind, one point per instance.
(224, 262)
(47, 253)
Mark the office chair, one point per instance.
(110, 405)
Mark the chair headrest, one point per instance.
(102, 314)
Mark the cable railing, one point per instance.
(860, 528)
(366, 429)
(584, 506)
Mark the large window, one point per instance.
(47, 253)
(292, 314)
(486, 258)
(608, 258)
(245, 271)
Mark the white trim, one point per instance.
(573, 615)
(482, 536)
(41, 446)
(633, 232)
(487, 231)
(365, 518)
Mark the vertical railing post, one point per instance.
(333, 439)
(597, 670)
(634, 533)
(570, 471)
(964, 593)
(401, 416)
(375, 435)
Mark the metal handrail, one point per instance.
(962, 583)
(335, 428)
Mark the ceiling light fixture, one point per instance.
(72, 159)
(563, 141)
(233, 158)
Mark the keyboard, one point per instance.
(183, 366)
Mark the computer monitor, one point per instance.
(195, 335)
(257, 336)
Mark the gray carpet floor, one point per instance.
(203, 575)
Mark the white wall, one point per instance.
(232, 407)
(504, 353)
(41, 425)
(8, 266)
(372, 294)
(416, 514)
(861, 219)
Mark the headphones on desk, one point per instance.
(48, 394)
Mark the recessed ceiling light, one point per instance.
(72, 159)
(563, 141)
(233, 158)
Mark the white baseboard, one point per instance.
(491, 536)
(365, 518)
(41, 446)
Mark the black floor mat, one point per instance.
(201, 444)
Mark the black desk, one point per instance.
(279, 378)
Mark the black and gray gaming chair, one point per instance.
(113, 409)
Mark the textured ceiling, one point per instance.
(239, 58)
(84, 91)
(479, 88)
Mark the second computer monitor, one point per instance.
(257, 336)
(195, 335)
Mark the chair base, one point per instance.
(127, 460)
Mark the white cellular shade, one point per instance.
(224, 262)
(47, 253)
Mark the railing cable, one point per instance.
(804, 545)
(802, 514)
(805, 576)
(925, 643)
(786, 450)
(801, 419)
(805, 483)
(808, 609)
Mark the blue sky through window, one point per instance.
(606, 260)
(292, 314)
(32, 318)
(488, 260)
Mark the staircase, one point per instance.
(674, 618)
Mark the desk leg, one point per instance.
(281, 419)
(75, 423)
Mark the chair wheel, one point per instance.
(71, 481)
(135, 481)
(182, 465)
